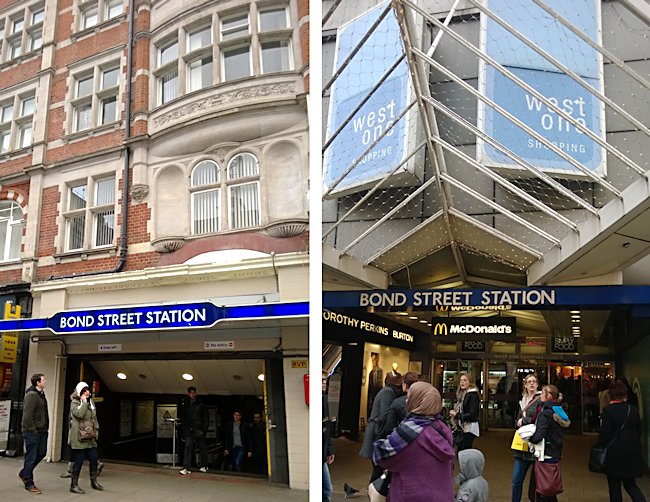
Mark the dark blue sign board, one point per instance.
(149, 317)
(543, 76)
(539, 298)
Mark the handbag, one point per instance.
(87, 430)
(518, 443)
(598, 453)
(378, 489)
(458, 436)
(548, 479)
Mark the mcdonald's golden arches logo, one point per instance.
(442, 308)
(440, 329)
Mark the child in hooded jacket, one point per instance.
(473, 486)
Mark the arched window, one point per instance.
(10, 230)
(243, 191)
(205, 198)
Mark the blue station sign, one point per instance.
(154, 317)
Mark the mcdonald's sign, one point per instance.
(442, 308)
(473, 328)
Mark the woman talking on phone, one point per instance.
(82, 437)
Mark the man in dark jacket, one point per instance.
(35, 425)
(237, 443)
(194, 420)
(398, 406)
(258, 443)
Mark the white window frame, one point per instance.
(97, 95)
(18, 121)
(19, 41)
(90, 213)
(102, 9)
(13, 225)
(242, 181)
(215, 187)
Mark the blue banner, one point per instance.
(543, 76)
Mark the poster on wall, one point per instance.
(143, 417)
(126, 418)
(5, 412)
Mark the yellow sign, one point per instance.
(440, 329)
(299, 363)
(9, 347)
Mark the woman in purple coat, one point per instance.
(419, 452)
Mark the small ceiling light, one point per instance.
(575, 316)
(402, 313)
(575, 320)
(423, 321)
(575, 311)
(414, 317)
(121, 376)
(260, 377)
(187, 376)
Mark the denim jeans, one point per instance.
(518, 475)
(35, 450)
(238, 454)
(79, 455)
(327, 484)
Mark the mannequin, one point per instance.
(394, 372)
(374, 380)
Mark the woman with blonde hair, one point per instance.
(419, 453)
(466, 411)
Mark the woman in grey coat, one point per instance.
(378, 422)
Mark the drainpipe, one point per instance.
(127, 156)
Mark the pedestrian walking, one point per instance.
(550, 425)
(621, 430)
(466, 411)
(378, 425)
(419, 453)
(529, 407)
(258, 443)
(194, 424)
(82, 436)
(473, 486)
(398, 406)
(35, 424)
(237, 442)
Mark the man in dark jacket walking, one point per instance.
(258, 443)
(195, 424)
(237, 442)
(35, 424)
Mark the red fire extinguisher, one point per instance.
(305, 381)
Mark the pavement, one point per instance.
(580, 485)
(124, 482)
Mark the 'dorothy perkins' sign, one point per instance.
(137, 318)
(543, 76)
(378, 53)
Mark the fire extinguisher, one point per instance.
(305, 381)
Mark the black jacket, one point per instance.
(396, 413)
(35, 414)
(470, 407)
(328, 448)
(194, 416)
(245, 432)
(624, 458)
(550, 426)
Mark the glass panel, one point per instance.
(5, 136)
(7, 113)
(275, 56)
(169, 86)
(90, 17)
(105, 192)
(568, 379)
(38, 16)
(205, 173)
(447, 376)
(15, 49)
(36, 40)
(237, 63)
(78, 197)
(110, 77)
(109, 110)
(206, 211)
(273, 19)
(25, 135)
(115, 8)
(4, 226)
(597, 378)
(244, 206)
(76, 232)
(168, 53)
(27, 107)
(18, 25)
(234, 27)
(16, 237)
(104, 228)
(84, 86)
(84, 117)
(200, 73)
(200, 38)
(244, 164)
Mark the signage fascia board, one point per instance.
(511, 136)
(405, 135)
(482, 328)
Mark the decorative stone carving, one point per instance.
(139, 191)
(168, 244)
(287, 228)
(231, 97)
